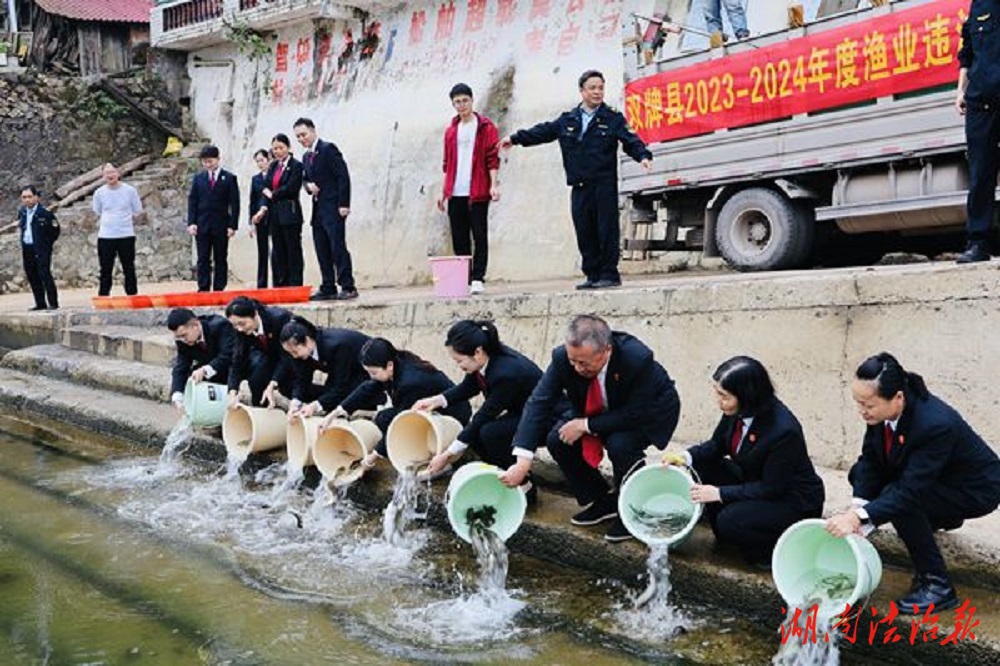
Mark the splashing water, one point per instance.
(179, 435)
(811, 629)
(651, 617)
(407, 496)
(491, 551)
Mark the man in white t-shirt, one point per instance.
(471, 165)
(118, 206)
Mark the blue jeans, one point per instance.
(735, 12)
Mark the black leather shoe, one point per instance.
(953, 524)
(586, 284)
(617, 532)
(607, 284)
(347, 295)
(323, 296)
(975, 252)
(37, 308)
(933, 590)
(600, 510)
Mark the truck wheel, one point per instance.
(761, 230)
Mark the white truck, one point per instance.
(825, 143)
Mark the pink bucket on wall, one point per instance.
(451, 276)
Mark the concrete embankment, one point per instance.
(106, 372)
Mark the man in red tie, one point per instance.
(602, 393)
(204, 350)
(213, 217)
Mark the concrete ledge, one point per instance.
(130, 343)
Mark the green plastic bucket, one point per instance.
(476, 486)
(812, 567)
(655, 505)
(205, 403)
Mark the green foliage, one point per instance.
(251, 43)
(98, 106)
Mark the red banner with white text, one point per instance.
(899, 52)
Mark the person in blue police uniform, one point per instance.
(979, 101)
(620, 400)
(922, 468)
(398, 379)
(204, 350)
(213, 218)
(504, 377)
(756, 476)
(588, 136)
(333, 351)
(39, 230)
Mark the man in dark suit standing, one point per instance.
(39, 230)
(620, 401)
(327, 180)
(213, 217)
(204, 350)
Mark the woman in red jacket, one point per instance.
(471, 163)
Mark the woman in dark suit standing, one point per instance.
(506, 379)
(922, 468)
(756, 476)
(402, 377)
(257, 356)
(280, 205)
(258, 224)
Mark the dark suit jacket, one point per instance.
(772, 461)
(339, 351)
(44, 227)
(641, 396)
(411, 381)
(284, 207)
(220, 340)
(326, 167)
(214, 209)
(510, 378)
(256, 194)
(272, 319)
(933, 445)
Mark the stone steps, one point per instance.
(153, 346)
(112, 374)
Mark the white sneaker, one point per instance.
(477, 287)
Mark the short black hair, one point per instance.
(460, 89)
(589, 74)
(306, 122)
(29, 188)
(281, 138)
(262, 151)
(179, 317)
(747, 379)
(209, 151)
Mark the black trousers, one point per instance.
(263, 234)
(38, 269)
(213, 247)
(287, 263)
(124, 249)
(260, 372)
(982, 132)
(941, 507)
(586, 483)
(330, 239)
(751, 527)
(595, 218)
(469, 220)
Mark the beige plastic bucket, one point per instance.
(414, 437)
(247, 430)
(339, 450)
(300, 437)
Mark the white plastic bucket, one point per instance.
(205, 403)
(414, 437)
(247, 430)
(299, 439)
(808, 561)
(339, 450)
(450, 276)
(476, 486)
(654, 494)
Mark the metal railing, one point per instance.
(192, 12)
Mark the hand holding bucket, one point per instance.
(476, 494)
(655, 505)
(414, 437)
(204, 403)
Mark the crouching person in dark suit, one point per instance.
(204, 350)
(620, 401)
(400, 378)
(334, 351)
(39, 230)
(922, 468)
(258, 356)
(756, 476)
(213, 217)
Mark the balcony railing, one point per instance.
(192, 12)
